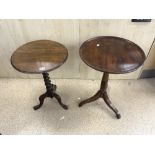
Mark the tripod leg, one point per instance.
(41, 99)
(59, 101)
(91, 99)
(109, 104)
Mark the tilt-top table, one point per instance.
(41, 56)
(113, 55)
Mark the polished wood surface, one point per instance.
(39, 56)
(112, 54)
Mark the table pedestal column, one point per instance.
(50, 92)
(102, 93)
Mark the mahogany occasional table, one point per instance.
(40, 57)
(113, 55)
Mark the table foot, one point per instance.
(91, 99)
(59, 101)
(110, 105)
(41, 99)
(118, 116)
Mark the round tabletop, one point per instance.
(39, 56)
(112, 54)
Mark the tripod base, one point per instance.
(51, 88)
(102, 93)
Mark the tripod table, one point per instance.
(110, 55)
(40, 57)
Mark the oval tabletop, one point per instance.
(112, 54)
(39, 56)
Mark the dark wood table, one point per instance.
(113, 55)
(41, 56)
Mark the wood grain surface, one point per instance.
(39, 56)
(112, 54)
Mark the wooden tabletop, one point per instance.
(39, 56)
(112, 54)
